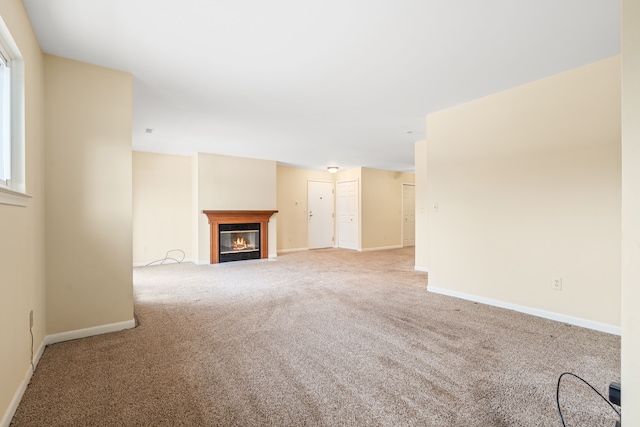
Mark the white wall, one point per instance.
(528, 187)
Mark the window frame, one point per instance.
(5, 119)
(13, 186)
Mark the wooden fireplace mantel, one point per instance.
(238, 217)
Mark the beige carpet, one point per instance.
(319, 338)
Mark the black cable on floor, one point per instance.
(584, 381)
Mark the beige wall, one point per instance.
(630, 211)
(161, 206)
(422, 195)
(291, 199)
(528, 187)
(381, 204)
(195, 214)
(22, 229)
(226, 182)
(88, 114)
(179, 188)
(348, 174)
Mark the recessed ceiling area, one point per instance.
(318, 83)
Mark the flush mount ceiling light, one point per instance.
(148, 130)
(332, 169)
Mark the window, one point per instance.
(12, 145)
(5, 120)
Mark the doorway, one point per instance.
(320, 214)
(408, 215)
(348, 215)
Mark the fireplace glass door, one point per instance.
(239, 242)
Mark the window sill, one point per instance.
(10, 197)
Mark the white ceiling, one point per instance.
(314, 83)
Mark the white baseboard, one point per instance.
(418, 268)
(38, 355)
(273, 256)
(17, 397)
(381, 248)
(145, 263)
(89, 332)
(284, 251)
(590, 324)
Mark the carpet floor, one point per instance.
(319, 338)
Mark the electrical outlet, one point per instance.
(556, 283)
(31, 319)
(434, 207)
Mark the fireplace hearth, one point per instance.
(238, 235)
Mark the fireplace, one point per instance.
(238, 242)
(238, 235)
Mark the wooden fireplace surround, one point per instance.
(238, 217)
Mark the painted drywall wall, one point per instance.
(381, 204)
(348, 174)
(161, 207)
(528, 187)
(630, 211)
(292, 205)
(179, 188)
(195, 214)
(88, 222)
(422, 195)
(234, 183)
(22, 229)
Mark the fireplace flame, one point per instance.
(240, 243)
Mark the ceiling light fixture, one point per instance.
(148, 130)
(332, 169)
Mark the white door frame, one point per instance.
(333, 210)
(402, 217)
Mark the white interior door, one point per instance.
(348, 214)
(320, 214)
(408, 215)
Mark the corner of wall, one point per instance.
(422, 201)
